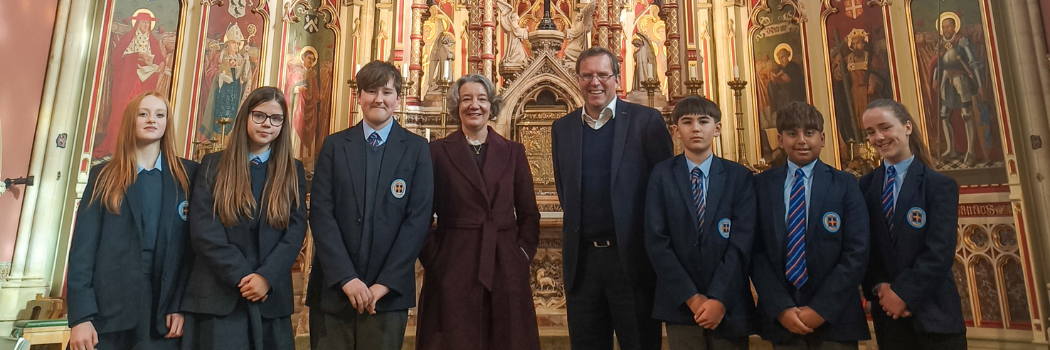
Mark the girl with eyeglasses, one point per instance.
(126, 273)
(248, 221)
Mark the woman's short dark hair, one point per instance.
(495, 101)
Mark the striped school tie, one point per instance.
(256, 160)
(698, 196)
(796, 262)
(887, 194)
(374, 139)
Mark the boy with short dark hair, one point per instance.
(699, 225)
(372, 193)
(811, 245)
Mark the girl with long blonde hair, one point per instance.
(126, 258)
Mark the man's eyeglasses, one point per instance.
(260, 117)
(601, 77)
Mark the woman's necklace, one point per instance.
(476, 145)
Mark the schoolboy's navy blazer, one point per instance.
(400, 222)
(713, 261)
(220, 264)
(835, 257)
(105, 254)
(916, 259)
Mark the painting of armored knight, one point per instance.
(231, 51)
(860, 70)
(139, 53)
(955, 83)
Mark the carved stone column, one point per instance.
(671, 15)
(488, 35)
(415, 68)
(474, 32)
(600, 34)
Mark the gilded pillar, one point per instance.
(415, 68)
(674, 43)
(488, 35)
(601, 32)
(474, 46)
(616, 29)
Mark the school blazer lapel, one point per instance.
(458, 152)
(908, 194)
(574, 151)
(776, 192)
(683, 181)
(874, 199)
(716, 181)
(354, 149)
(395, 149)
(134, 199)
(168, 207)
(815, 214)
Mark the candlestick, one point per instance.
(736, 72)
(738, 88)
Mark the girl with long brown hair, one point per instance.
(247, 224)
(126, 275)
(914, 215)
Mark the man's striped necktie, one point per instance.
(796, 261)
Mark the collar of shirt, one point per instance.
(807, 172)
(902, 171)
(159, 165)
(705, 169)
(263, 157)
(383, 133)
(603, 118)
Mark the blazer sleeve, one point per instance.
(670, 274)
(843, 280)
(916, 284)
(738, 254)
(525, 204)
(331, 251)
(555, 151)
(283, 256)
(773, 297)
(398, 272)
(80, 289)
(658, 140)
(208, 235)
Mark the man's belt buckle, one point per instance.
(607, 244)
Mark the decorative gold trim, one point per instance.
(883, 3)
(212, 2)
(289, 10)
(763, 5)
(921, 113)
(826, 10)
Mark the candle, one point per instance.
(428, 134)
(736, 72)
(692, 71)
(357, 67)
(448, 70)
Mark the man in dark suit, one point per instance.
(699, 226)
(811, 243)
(372, 193)
(603, 154)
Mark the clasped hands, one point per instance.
(800, 320)
(363, 298)
(707, 312)
(891, 302)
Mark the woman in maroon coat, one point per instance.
(476, 291)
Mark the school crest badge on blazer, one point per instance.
(398, 188)
(723, 227)
(832, 222)
(916, 217)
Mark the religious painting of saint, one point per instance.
(780, 73)
(308, 74)
(137, 54)
(959, 107)
(859, 67)
(230, 51)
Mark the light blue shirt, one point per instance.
(902, 171)
(807, 171)
(607, 114)
(159, 165)
(265, 156)
(383, 133)
(705, 170)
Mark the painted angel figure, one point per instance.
(577, 35)
(515, 51)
